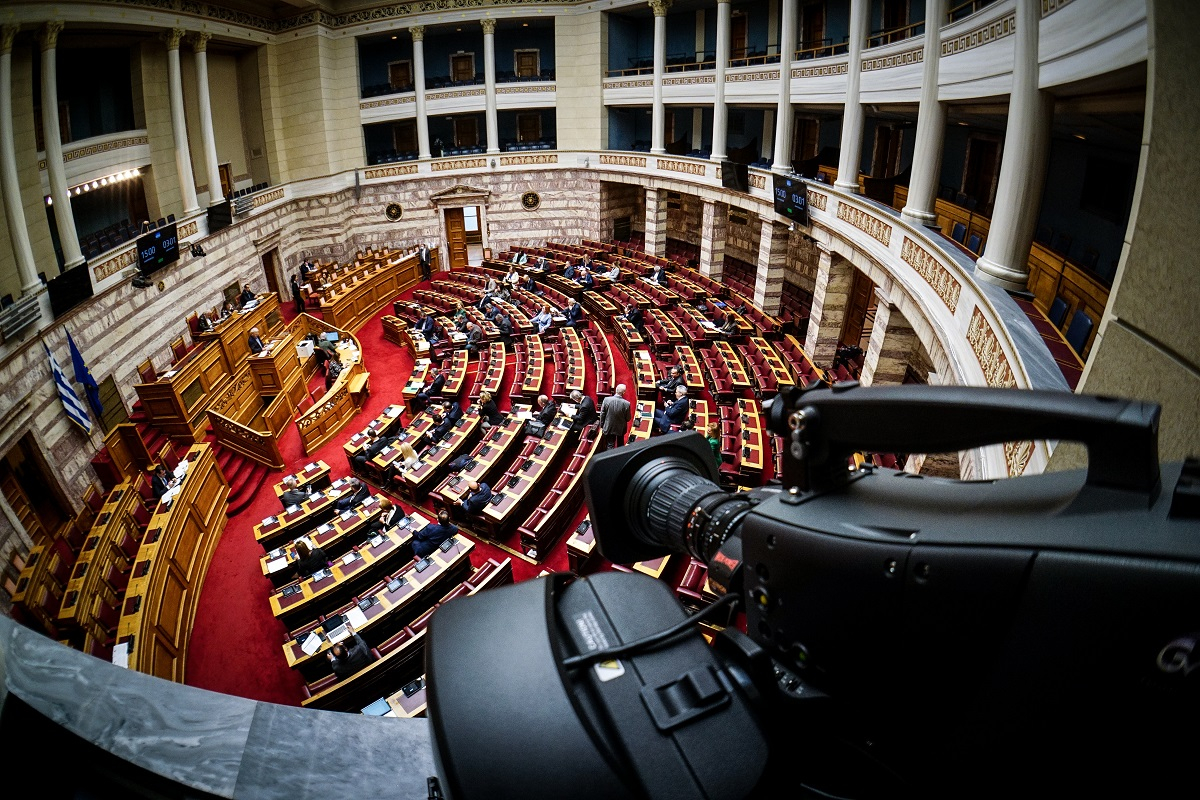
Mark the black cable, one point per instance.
(651, 640)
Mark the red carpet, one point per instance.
(236, 644)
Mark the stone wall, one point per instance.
(619, 200)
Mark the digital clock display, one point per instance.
(158, 249)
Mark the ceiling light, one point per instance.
(137, 172)
(95, 184)
(393, 37)
(104, 181)
(1080, 136)
(87, 187)
(49, 200)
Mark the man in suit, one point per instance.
(573, 312)
(569, 272)
(358, 492)
(674, 412)
(614, 417)
(162, 482)
(432, 388)
(306, 269)
(375, 445)
(292, 494)
(585, 278)
(349, 656)
(478, 495)
(659, 275)
(585, 412)
(254, 342)
(474, 337)
(635, 317)
(297, 296)
(246, 296)
(426, 327)
(504, 324)
(423, 257)
(446, 421)
(204, 323)
(530, 285)
(547, 411)
(673, 380)
(426, 540)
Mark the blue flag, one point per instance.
(66, 392)
(84, 375)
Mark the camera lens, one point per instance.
(680, 510)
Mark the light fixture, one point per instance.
(493, 163)
(393, 37)
(1080, 136)
(104, 181)
(95, 184)
(49, 200)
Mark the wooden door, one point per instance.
(737, 36)
(529, 127)
(805, 135)
(404, 136)
(527, 63)
(885, 159)
(466, 132)
(979, 177)
(861, 296)
(226, 172)
(456, 238)
(32, 495)
(400, 75)
(270, 265)
(462, 67)
(812, 25)
(18, 500)
(895, 15)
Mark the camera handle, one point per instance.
(826, 425)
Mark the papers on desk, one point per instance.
(349, 559)
(269, 521)
(356, 618)
(181, 469)
(276, 564)
(311, 644)
(291, 508)
(422, 362)
(249, 305)
(394, 411)
(169, 373)
(347, 514)
(457, 336)
(524, 415)
(170, 495)
(707, 324)
(558, 318)
(120, 655)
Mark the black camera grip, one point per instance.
(1121, 435)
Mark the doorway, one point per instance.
(400, 75)
(30, 491)
(529, 127)
(404, 136)
(855, 326)
(979, 176)
(462, 67)
(271, 267)
(737, 35)
(805, 137)
(885, 160)
(456, 238)
(226, 172)
(527, 62)
(466, 132)
(812, 26)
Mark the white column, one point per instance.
(418, 38)
(783, 116)
(14, 209)
(852, 118)
(489, 82)
(183, 158)
(657, 121)
(1005, 259)
(720, 112)
(64, 219)
(931, 125)
(200, 47)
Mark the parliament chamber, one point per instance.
(219, 332)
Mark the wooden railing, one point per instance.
(879, 38)
(259, 446)
(966, 9)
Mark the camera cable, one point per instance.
(654, 639)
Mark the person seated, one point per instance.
(349, 656)
(488, 411)
(513, 278)
(573, 313)
(162, 481)
(658, 275)
(389, 516)
(292, 494)
(474, 341)
(375, 445)
(547, 410)
(426, 327)
(490, 310)
(427, 540)
(614, 273)
(308, 561)
(254, 341)
(585, 278)
(585, 412)
(543, 319)
(332, 370)
(460, 315)
(408, 458)
(432, 387)
(519, 257)
(569, 272)
(478, 495)
(492, 287)
(530, 285)
(634, 315)
(729, 326)
(504, 324)
(204, 323)
(673, 380)
(674, 412)
(445, 421)
(540, 264)
(246, 296)
(226, 310)
(358, 492)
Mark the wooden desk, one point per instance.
(643, 375)
(232, 334)
(535, 367)
(654, 568)
(433, 465)
(630, 339)
(491, 379)
(100, 550)
(737, 370)
(177, 403)
(162, 596)
(489, 456)
(352, 307)
(685, 357)
(387, 423)
(336, 407)
(779, 371)
(581, 545)
(643, 421)
(753, 440)
(500, 516)
(312, 512)
(315, 475)
(277, 365)
(407, 705)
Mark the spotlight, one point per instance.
(198, 251)
(95, 184)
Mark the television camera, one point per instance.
(899, 634)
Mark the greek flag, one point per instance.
(66, 392)
(83, 375)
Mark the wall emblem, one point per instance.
(530, 201)
(393, 212)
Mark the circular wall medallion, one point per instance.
(530, 201)
(394, 211)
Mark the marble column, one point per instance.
(783, 113)
(209, 140)
(852, 117)
(772, 257)
(890, 347)
(658, 114)
(831, 296)
(418, 39)
(60, 195)
(656, 222)
(720, 110)
(1005, 259)
(14, 208)
(489, 82)
(713, 226)
(931, 125)
(183, 158)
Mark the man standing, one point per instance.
(614, 417)
(297, 296)
(423, 256)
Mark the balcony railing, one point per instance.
(880, 38)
